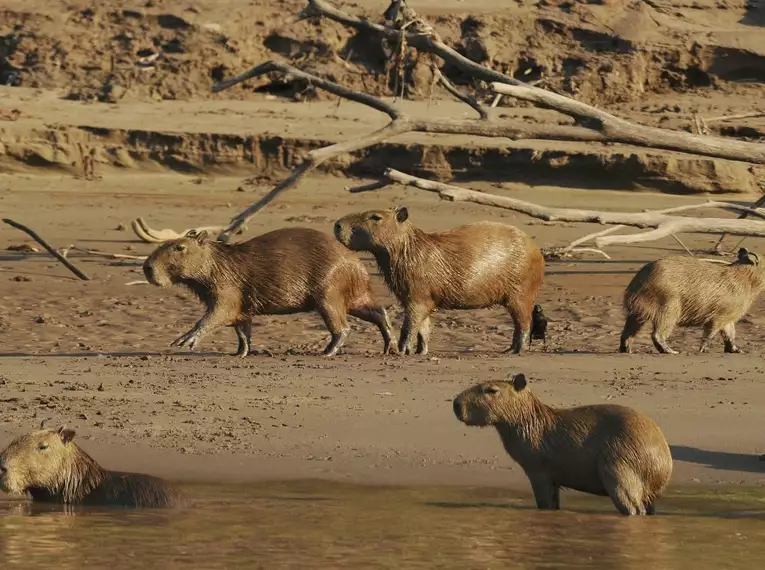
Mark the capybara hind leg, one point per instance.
(632, 327)
(728, 333)
(414, 316)
(243, 334)
(650, 508)
(663, 325)
(337, 324)
(625, 490)
(423, 337)
(377, 316)
(521, 328)
(546, 492)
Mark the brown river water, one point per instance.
(310, 524)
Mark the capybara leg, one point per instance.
(337, 323)
(377, 316)
(710, 331)
(729, 338)
(521, 327)
(650, 508)
(243, 334)
(546, 492)
(205, 325)
(663, 325)
(423, 337)
(413, 319)
(625, 490)
(632, 327)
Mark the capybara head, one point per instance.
(488, 403)
(175, 260)
(371, 230)
(538, 310)
(746, 257)
(40, 459)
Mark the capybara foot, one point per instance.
(338, 340)
(662, 346)
(191, 339)
(732, 348)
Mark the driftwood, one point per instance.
(150, 235)
(663, 224)
(53, 252)
(404, 27)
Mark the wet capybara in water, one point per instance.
(679, 290)
(478, 265)
(601, 449)
(285, 271)
(51, 468)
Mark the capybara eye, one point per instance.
(180, 247)
(490, 390)
(375, 217)
(42, 446)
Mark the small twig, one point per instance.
(108, 255)
(467, 99)
(50, 250)
(377, 185)
(688, 251)
(140, 282)
(753, 115)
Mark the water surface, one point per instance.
(309, 524)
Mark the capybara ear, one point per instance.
(519, 382)
(42, 423)
(402, 214)
(202, 236)
(191, 233)
(66, 435)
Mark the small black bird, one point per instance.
(538, 326)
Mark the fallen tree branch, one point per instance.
(53, 252)
(620, 130)
(107, 255)
(150, 235)
(664, 225)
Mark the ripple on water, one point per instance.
(324, 525)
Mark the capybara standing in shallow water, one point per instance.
(601, 449)
(474, 266)
(679, 290)
(285, 271)
(49, 466)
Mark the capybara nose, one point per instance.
(338, 229)
(457, 409)
(3, 470)
(148, 270)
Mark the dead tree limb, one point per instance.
(53, 252)
(620, 130)
(664, 225)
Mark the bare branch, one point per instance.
(53, 252)
(665, 225)
(619, 130)
(467, 99)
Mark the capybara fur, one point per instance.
(478, 265)
(601, 449)
(285, 271)
(51, 468)
(680, 290)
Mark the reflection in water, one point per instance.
(323, 525)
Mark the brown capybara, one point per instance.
(285, 271)
(474, 266)
(51, 468)
(601, 449)
(679, 290)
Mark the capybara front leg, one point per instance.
(663, 325)
(710, 331)
(632, 327)
(377, 316)
(244, 335)
(205, 325)
(337, 324)
(423, 337)
(413, 319)
(546, 492)
(728, 333)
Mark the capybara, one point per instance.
(49, 466)
(284, 271)
(679, 290)
(600, 449)
(478, 265)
